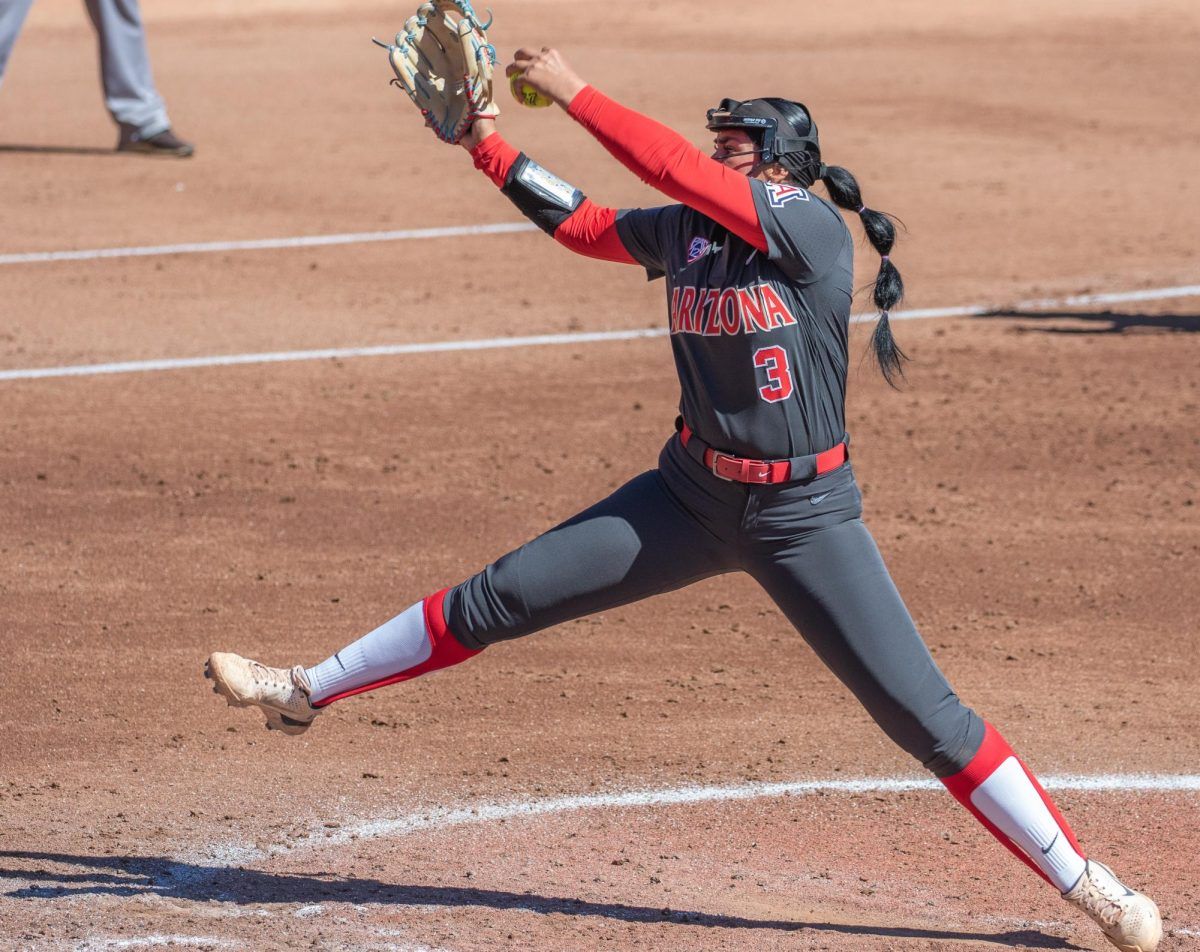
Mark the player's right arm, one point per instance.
(803, 237)
(656, 154)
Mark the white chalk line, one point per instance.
(209, 942)
(153, 941)
(209, 863)
(542, 340)
(264, 244)
(333, 353)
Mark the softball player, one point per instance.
(757, 477)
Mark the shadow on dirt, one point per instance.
(1103, 322)
(56, 149)
(138, 876)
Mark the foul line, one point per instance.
(541, 340)
(261, 244)
(211, 861)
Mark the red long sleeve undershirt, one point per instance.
(589, 230)
(659, 156)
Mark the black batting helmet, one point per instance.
(783, 130)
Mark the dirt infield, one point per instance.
(1035, 489)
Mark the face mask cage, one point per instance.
(762, 128)
(749, 115)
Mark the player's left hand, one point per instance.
(443, 61)
(547, 72)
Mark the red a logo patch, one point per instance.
(779, 194)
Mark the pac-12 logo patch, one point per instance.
(698, 249)
(779, 194)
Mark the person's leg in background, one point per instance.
(129, 90)
(12, 18)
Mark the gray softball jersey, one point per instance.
(760, 340)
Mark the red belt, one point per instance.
(739, 470)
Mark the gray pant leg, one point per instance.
(640, 541)
(129, 91)
(12, 17)
(833, 586)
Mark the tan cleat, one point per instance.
(281, 693)
(1130, 920)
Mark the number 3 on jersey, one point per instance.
(779, 375)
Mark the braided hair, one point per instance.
(887, 290)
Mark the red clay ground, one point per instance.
(1034, 489)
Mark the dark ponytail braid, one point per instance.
(888, 287)
(801, 158)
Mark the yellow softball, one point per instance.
(526, 95)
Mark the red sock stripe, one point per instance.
(992, 753)
(447, 651)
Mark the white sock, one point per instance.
(1012, 803)
(394, 646)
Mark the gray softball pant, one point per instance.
(805, 543)
(129, 91)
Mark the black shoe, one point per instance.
(165, 143)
